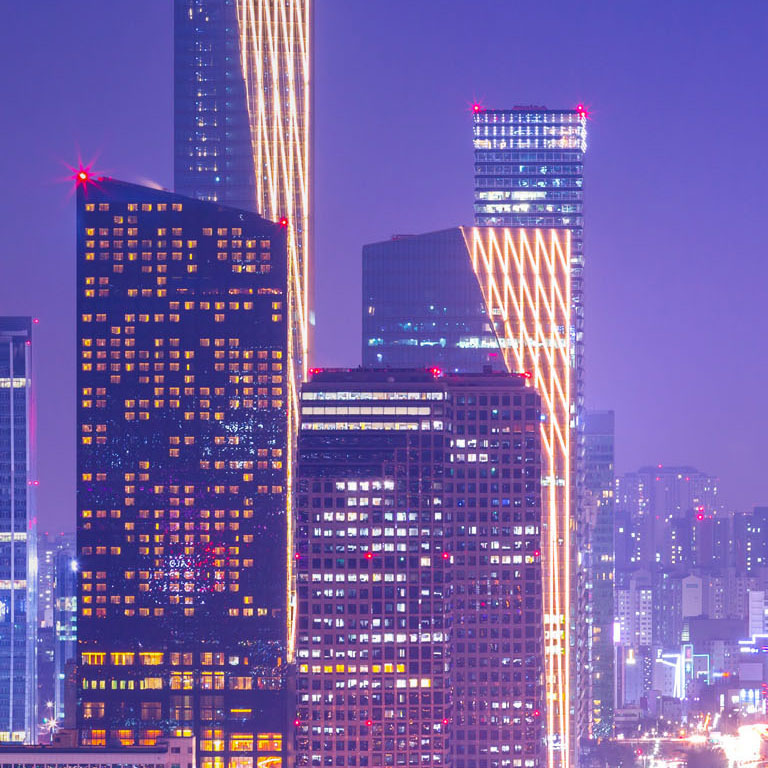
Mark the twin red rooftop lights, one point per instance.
(581, 109)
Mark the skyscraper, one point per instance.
(65, 627)
(599, 485)
(529, 173)
(419, 570)
(523, 279)
(18, 534)
(183, 474)
(243, 123)
(411, 319)
(57, 620)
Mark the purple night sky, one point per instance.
(676, 188)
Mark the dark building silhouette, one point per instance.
(423, 305)
(183, 473)
(213, 156)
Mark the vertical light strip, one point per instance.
(275, 39)
(525, 279)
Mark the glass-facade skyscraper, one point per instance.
(413, 319)
(522, 279)
(183, 474)
(599, 485)
(57, 621)
(243, 124)
(529, 172)
(419, 564)
(18, 534)
(213, 159)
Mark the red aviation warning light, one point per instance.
(436, 372)
(284, 222)
(81, 176)
(582, 111)
(369, 555)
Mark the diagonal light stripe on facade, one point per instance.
(275, 54)
(525, 279)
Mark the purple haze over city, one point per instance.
(677, 332)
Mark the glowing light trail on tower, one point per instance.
(275, 39)
(525, 280)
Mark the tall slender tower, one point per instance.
(183, 474)
(18, 535)
(529, 172)
(243, 124)
(599, 485)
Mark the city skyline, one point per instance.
(629, 265)
(651, 116)
(355, 497)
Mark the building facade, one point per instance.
(183, 474)
(523, 277)
(599, 489)
(419, 571)
(57, 621)
(529, 172)
(243, 123)
(168, 753)
(18, 534)
(413, 319)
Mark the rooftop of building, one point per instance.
(16, 325)
(459, 232)
(92, 187)
(434, 375)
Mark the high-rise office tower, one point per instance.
(57, 589)
(529, 173)
(64, 626)
(522, 277)
(419, 571)
(182, 474)
(242, 123)
(599, 485)
(18, 539)
(412, 318)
